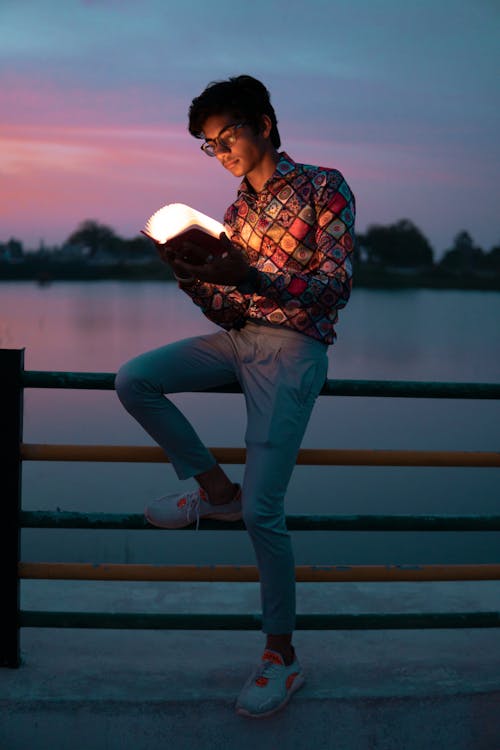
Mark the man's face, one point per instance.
(241, 150)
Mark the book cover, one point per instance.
(176, 224)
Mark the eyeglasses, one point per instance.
(226, 139)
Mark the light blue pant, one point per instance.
(281, 373)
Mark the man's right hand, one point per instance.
(166, 253)
(185, 251)
(172, 256)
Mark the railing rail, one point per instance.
(72, 520)
(249, 573)
(373, 388)
(138, 620)
(14, 379)
(308, 456)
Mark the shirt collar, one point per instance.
(285, 167)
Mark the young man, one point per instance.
(275, 293)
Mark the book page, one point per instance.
(175, 218)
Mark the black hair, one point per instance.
(244, 97)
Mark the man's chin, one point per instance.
(234, 167)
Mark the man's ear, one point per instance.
(266, 126)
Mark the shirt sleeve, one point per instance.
(329, 282)
(223, 305)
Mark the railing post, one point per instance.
(11, 421)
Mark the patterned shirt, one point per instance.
(298, 235)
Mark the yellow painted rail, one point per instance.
(249, 573)
(307, 456)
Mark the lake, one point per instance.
(428, 335)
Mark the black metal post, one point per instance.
(11, 432)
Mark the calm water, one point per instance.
(396, 335)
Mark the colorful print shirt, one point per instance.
(298, 235)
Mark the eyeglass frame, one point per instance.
(215, 143)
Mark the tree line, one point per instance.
(403, 245)
(399, 249)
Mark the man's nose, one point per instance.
(222, 147)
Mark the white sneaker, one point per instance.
(270, 687)
(176, 511)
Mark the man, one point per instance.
(275, 292)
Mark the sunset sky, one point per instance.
(403, 98)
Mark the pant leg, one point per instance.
(186, 365)
(281, 375)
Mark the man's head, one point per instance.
(243, 98)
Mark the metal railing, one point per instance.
(14, 379)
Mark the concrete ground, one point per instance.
(143, 690)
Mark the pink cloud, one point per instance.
(57, 176)
(69, 156)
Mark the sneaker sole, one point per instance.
(297, 684)
(160, 525)
(213, 516)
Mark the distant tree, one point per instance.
(401, 244)
(12, 250)
(357, 255)
(492, 259)
(139, 246)
(464, 256)
(95, 238)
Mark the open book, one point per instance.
(177, 223)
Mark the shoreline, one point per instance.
(363, 278)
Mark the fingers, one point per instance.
(229, 244)
(232, 248)
(183, 268)
(225, 241)
(188, 248)
(226, 268)
(216, 258)
(166, 253)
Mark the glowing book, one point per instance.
(176, 223)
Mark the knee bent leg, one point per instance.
(131, 385)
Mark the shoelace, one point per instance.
(193, 500)
(266, 669)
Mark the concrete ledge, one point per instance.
(365, 690)
(453, 724)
